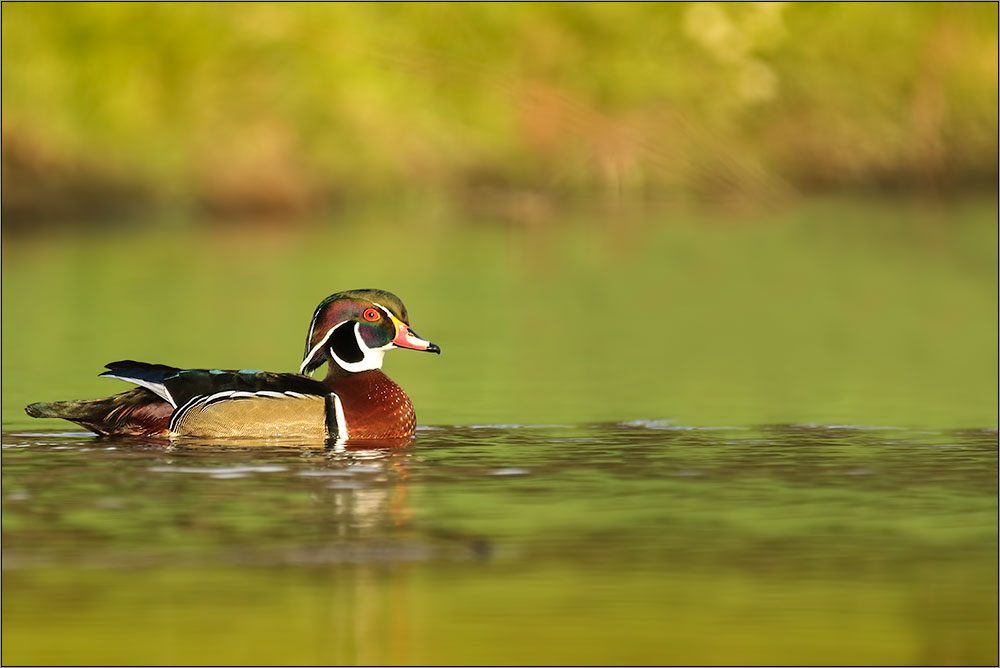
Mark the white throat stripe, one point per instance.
(372, 356)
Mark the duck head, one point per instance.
(352, 330)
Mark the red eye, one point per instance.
(371, 315)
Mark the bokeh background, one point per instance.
(715, 286)
(703, 212)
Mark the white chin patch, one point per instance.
(372, 356)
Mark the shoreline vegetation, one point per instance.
(114, 111)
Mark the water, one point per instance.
(644, 542)
(678, 440)
(844, 313)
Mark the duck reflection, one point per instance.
(367, 489)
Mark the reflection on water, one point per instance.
(640, 542)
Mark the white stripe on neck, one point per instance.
(372, 356)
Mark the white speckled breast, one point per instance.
(374, 406)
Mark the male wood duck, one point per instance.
(350, 332)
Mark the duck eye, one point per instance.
(371, 315)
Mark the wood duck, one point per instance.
(350, 332)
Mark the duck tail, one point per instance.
(89, 413)
(137, 411)
(56, 409)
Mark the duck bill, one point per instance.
(407, 338)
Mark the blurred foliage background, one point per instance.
(283, 109)
(657, 214)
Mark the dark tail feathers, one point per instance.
(90, 409)
(55, 409)
(82, 409)
(136, 412)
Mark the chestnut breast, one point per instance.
(374, 406)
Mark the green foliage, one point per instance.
(293, 103)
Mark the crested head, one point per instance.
(371, 295)
(353, 329)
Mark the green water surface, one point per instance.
(839, 312)
(604, 544)
(669, 439)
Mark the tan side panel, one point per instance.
(257, 417)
